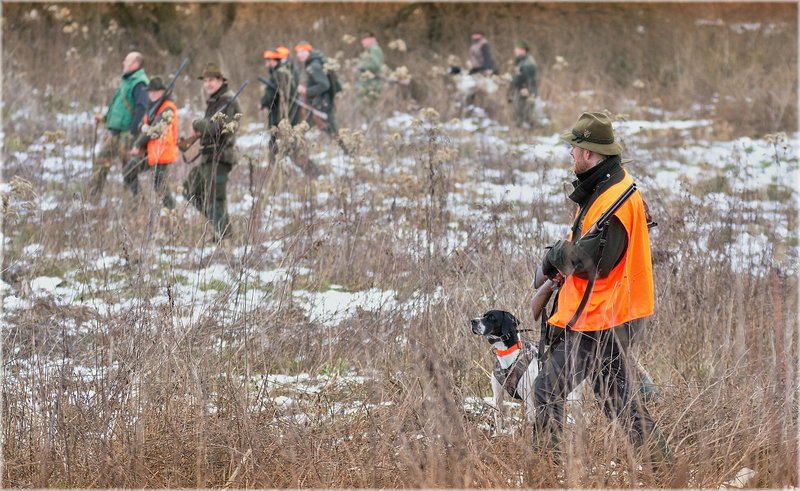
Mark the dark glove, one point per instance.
(548, 269)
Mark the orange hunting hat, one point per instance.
(282, 51)
(303, 46)
(271, 55)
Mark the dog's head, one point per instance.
(497, 326)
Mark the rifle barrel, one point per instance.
(167, 92)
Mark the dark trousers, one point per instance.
(206, 189)
(138, 165)
(603, 358)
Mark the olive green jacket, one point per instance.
(371, 60)
(218, 131)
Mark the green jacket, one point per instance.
(525, 76)
(371, 60)
(218, 133)
(122, 107)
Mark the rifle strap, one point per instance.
(592, 276)
(545, 343)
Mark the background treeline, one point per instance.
(740, 57)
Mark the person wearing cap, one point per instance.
(122, 120)
(279, 94)
(315, 89)
(370, 64)
(206, 185)
(156, 147)
(523, 86)
(480, 55)
(606, 290)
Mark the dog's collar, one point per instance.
(507, 351)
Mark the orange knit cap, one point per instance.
(303, 46)
(282, 52)
(271, 55)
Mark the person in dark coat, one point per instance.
(206, 185)
(316, 89)
(280, 92)
(524, 88)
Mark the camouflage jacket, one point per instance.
(525, 75)
(371, 60)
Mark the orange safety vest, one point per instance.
(626, 293)
(164, 150)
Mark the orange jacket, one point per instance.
(626, 293)
(164, 150)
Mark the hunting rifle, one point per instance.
(546, 288)
(185, 143)
(151, 113)
(308, 107)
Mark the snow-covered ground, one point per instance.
(744, 165)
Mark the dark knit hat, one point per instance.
(521, 43)
(156, 83)
(212, 70)
(593, 132)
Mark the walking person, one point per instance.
(370, 64)
(206, 185)
(280, 92)
(122, 120)
(156, 147)
(317, 89)
(480, 55)
(524, 86)
(607, 289)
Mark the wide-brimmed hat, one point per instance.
(156, 83)
(593, 132)
(212, 70)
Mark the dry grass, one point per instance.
(154, 395)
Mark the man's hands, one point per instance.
(301, 89)
(99, 118)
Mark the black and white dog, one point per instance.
(516, 366)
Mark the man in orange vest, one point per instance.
(607, 287)
(159, 142)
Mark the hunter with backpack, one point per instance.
(318, 87)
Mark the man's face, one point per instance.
(476, 37)
(519, 51)
(211, 84)
(302, 55)
(130, 63)
(367, 42)
(271, 63)
(580, 157)
(154, 95)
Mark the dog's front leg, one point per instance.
(499, 393)
(529, 395)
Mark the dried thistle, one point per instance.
(331, 64)
(398, 44)
(20, 191)
(429, 114)
(348, 39)
(54, 136)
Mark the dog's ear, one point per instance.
(510, 323)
